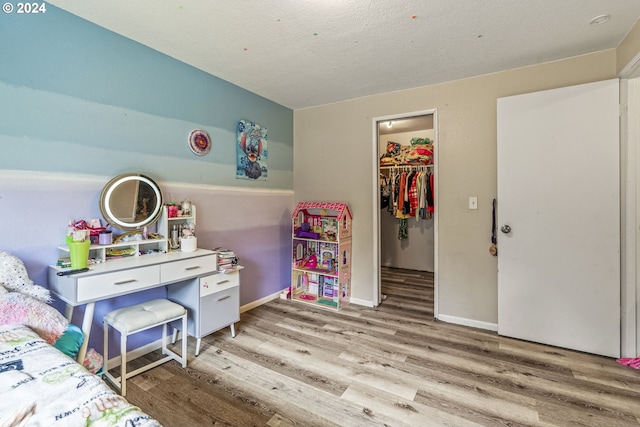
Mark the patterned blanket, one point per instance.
(40, 386)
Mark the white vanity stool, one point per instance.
(137, 318)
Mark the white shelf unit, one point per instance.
(99, 252)
(165, 225)
(162, 244)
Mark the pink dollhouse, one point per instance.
(321, 254)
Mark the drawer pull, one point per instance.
(222, 282)
(124, 282)
(192, 268)
(224, 297)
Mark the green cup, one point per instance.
(79, 254)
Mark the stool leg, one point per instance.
(123, 363)
(184, 340)
(164, 339)
(105, 344)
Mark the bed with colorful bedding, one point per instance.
(41, 386)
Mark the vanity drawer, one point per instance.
(183, 269)
(219, 310)
(218, 282)
(119, 282)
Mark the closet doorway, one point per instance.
(406, 245)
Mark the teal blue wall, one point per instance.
(78, 98)
(80, 104)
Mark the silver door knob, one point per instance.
(505, 229)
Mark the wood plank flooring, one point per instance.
(292, 364)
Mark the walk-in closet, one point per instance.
(407, 207)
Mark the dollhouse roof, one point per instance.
(340, 208)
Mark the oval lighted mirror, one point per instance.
(131, 201)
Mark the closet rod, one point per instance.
(406, 166)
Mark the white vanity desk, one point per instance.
(194, 273)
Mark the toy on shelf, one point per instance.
(304, 231)
(311, 260)
(329, 229)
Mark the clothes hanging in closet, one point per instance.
(411, 194)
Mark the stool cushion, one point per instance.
(139, 316)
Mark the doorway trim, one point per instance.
(630, 207)
(377, 288)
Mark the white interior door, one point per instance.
(558, 191)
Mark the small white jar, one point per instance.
(188, 244)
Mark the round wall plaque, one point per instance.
(199, 142)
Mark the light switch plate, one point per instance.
(473, 202)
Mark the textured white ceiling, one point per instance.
(303, 53)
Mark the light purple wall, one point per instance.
(256, 224)
(36, 207)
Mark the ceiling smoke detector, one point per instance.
(600, 19)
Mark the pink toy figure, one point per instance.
(311, 260)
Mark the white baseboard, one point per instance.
(261, 301)
(264, 300)
(363, 302)
(468, 322)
